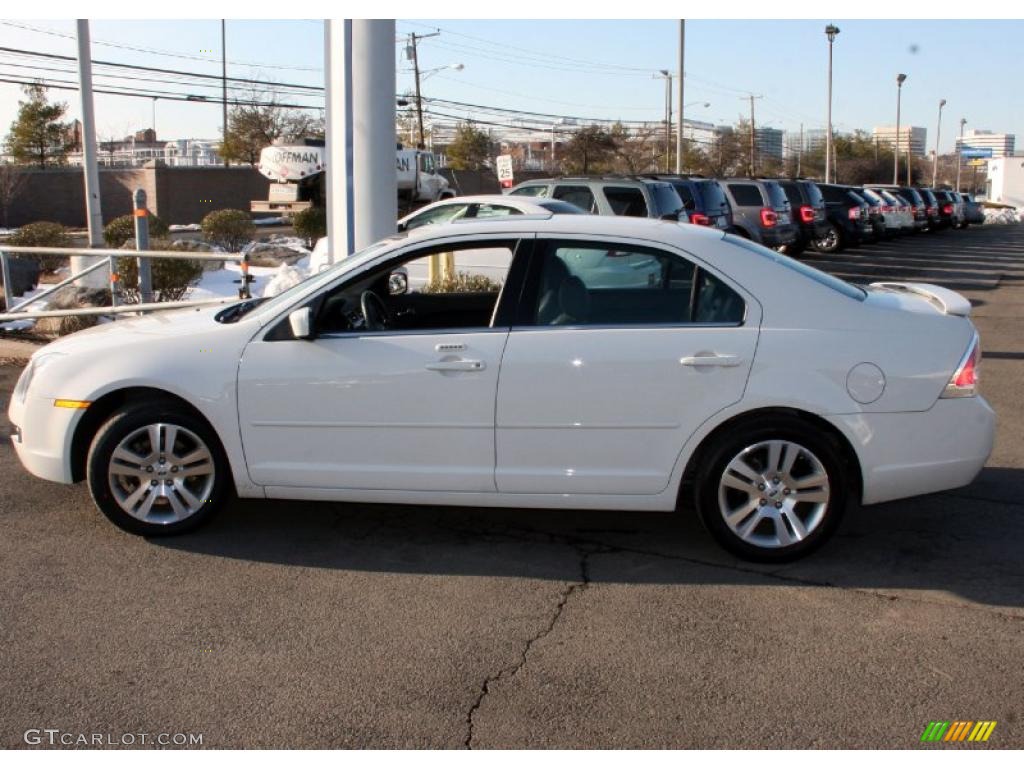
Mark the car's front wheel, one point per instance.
(830, 242)
(155, 470)
(772, 491)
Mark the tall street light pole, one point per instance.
(938, 129)
(830, 32)
(224, 82)
(664, 73)
(680, 146)
(959, 152)
(896, 155)
(413, 54)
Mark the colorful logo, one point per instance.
(958, 730)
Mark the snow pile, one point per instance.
(270, 221)
(221, 283)
(36, 306)
(288, 275)
(4, 232)
(1003, 216)
(184, 228)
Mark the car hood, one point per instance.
(125, 331)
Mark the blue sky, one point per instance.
(595, 68)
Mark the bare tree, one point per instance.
(259, 120)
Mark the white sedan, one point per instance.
(612, 363)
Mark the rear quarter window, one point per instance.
(746, 194)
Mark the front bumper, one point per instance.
(910, 454)
(42, 435)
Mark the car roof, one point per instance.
(657, 230)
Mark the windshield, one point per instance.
(322, 278)
(823, 278)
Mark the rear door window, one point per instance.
(577, 194)
(626, 201)
(746, 194)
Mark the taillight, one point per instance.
(947, 209)
(886, 209)
(964, 382)
(769, 218)
(854, 213)
(699, 218)
(806, 214)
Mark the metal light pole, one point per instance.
(224, 81)
(938, 129)
(830, 32)
(680, 145)
(896, 155)
(664, 73)
(959, 152)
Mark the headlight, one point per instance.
(34, 366)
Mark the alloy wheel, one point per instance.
(161, 473)
(774, 494)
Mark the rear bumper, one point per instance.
(780, 235)
(910, 454)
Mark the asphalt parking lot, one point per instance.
(343, 625)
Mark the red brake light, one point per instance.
(769, 218)
(854, 212)
(806, 214)
(947, 208)
(964, 382)
(700, 218)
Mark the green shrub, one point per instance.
(122, 229)
(43, 234)
(172, 278)
(310, 224)
(462, 282)
(229, 229)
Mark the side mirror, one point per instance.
(301, 322)
(398, 282)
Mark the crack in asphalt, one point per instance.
(511, 671)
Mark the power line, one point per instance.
(158, 52)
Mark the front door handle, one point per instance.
(721, 361)
(457, 365)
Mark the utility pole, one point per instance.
(960, 153)
(664, 73)
(412, 53)
(753, 160)
(94, 213)
(680, 145)
(224, 81)
(909, 153)
(938, 129)
(800, 152)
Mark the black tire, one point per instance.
(130, 419)
(795, 249)
(729, 445)
(831, 242)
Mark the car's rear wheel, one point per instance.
(830, 242)
(772, 491)
(155, 470)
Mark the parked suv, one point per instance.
(973, 212)
(931, 208)
(948, 213)
(848, 219)
(610, 195)
(918, 205)
(760, 211)
(705, 202)
(808, 208)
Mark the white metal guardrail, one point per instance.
(16, 311)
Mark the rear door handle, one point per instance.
(721, 361)
(457, 365)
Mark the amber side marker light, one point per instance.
(72, 403)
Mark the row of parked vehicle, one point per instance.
(790, 215)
